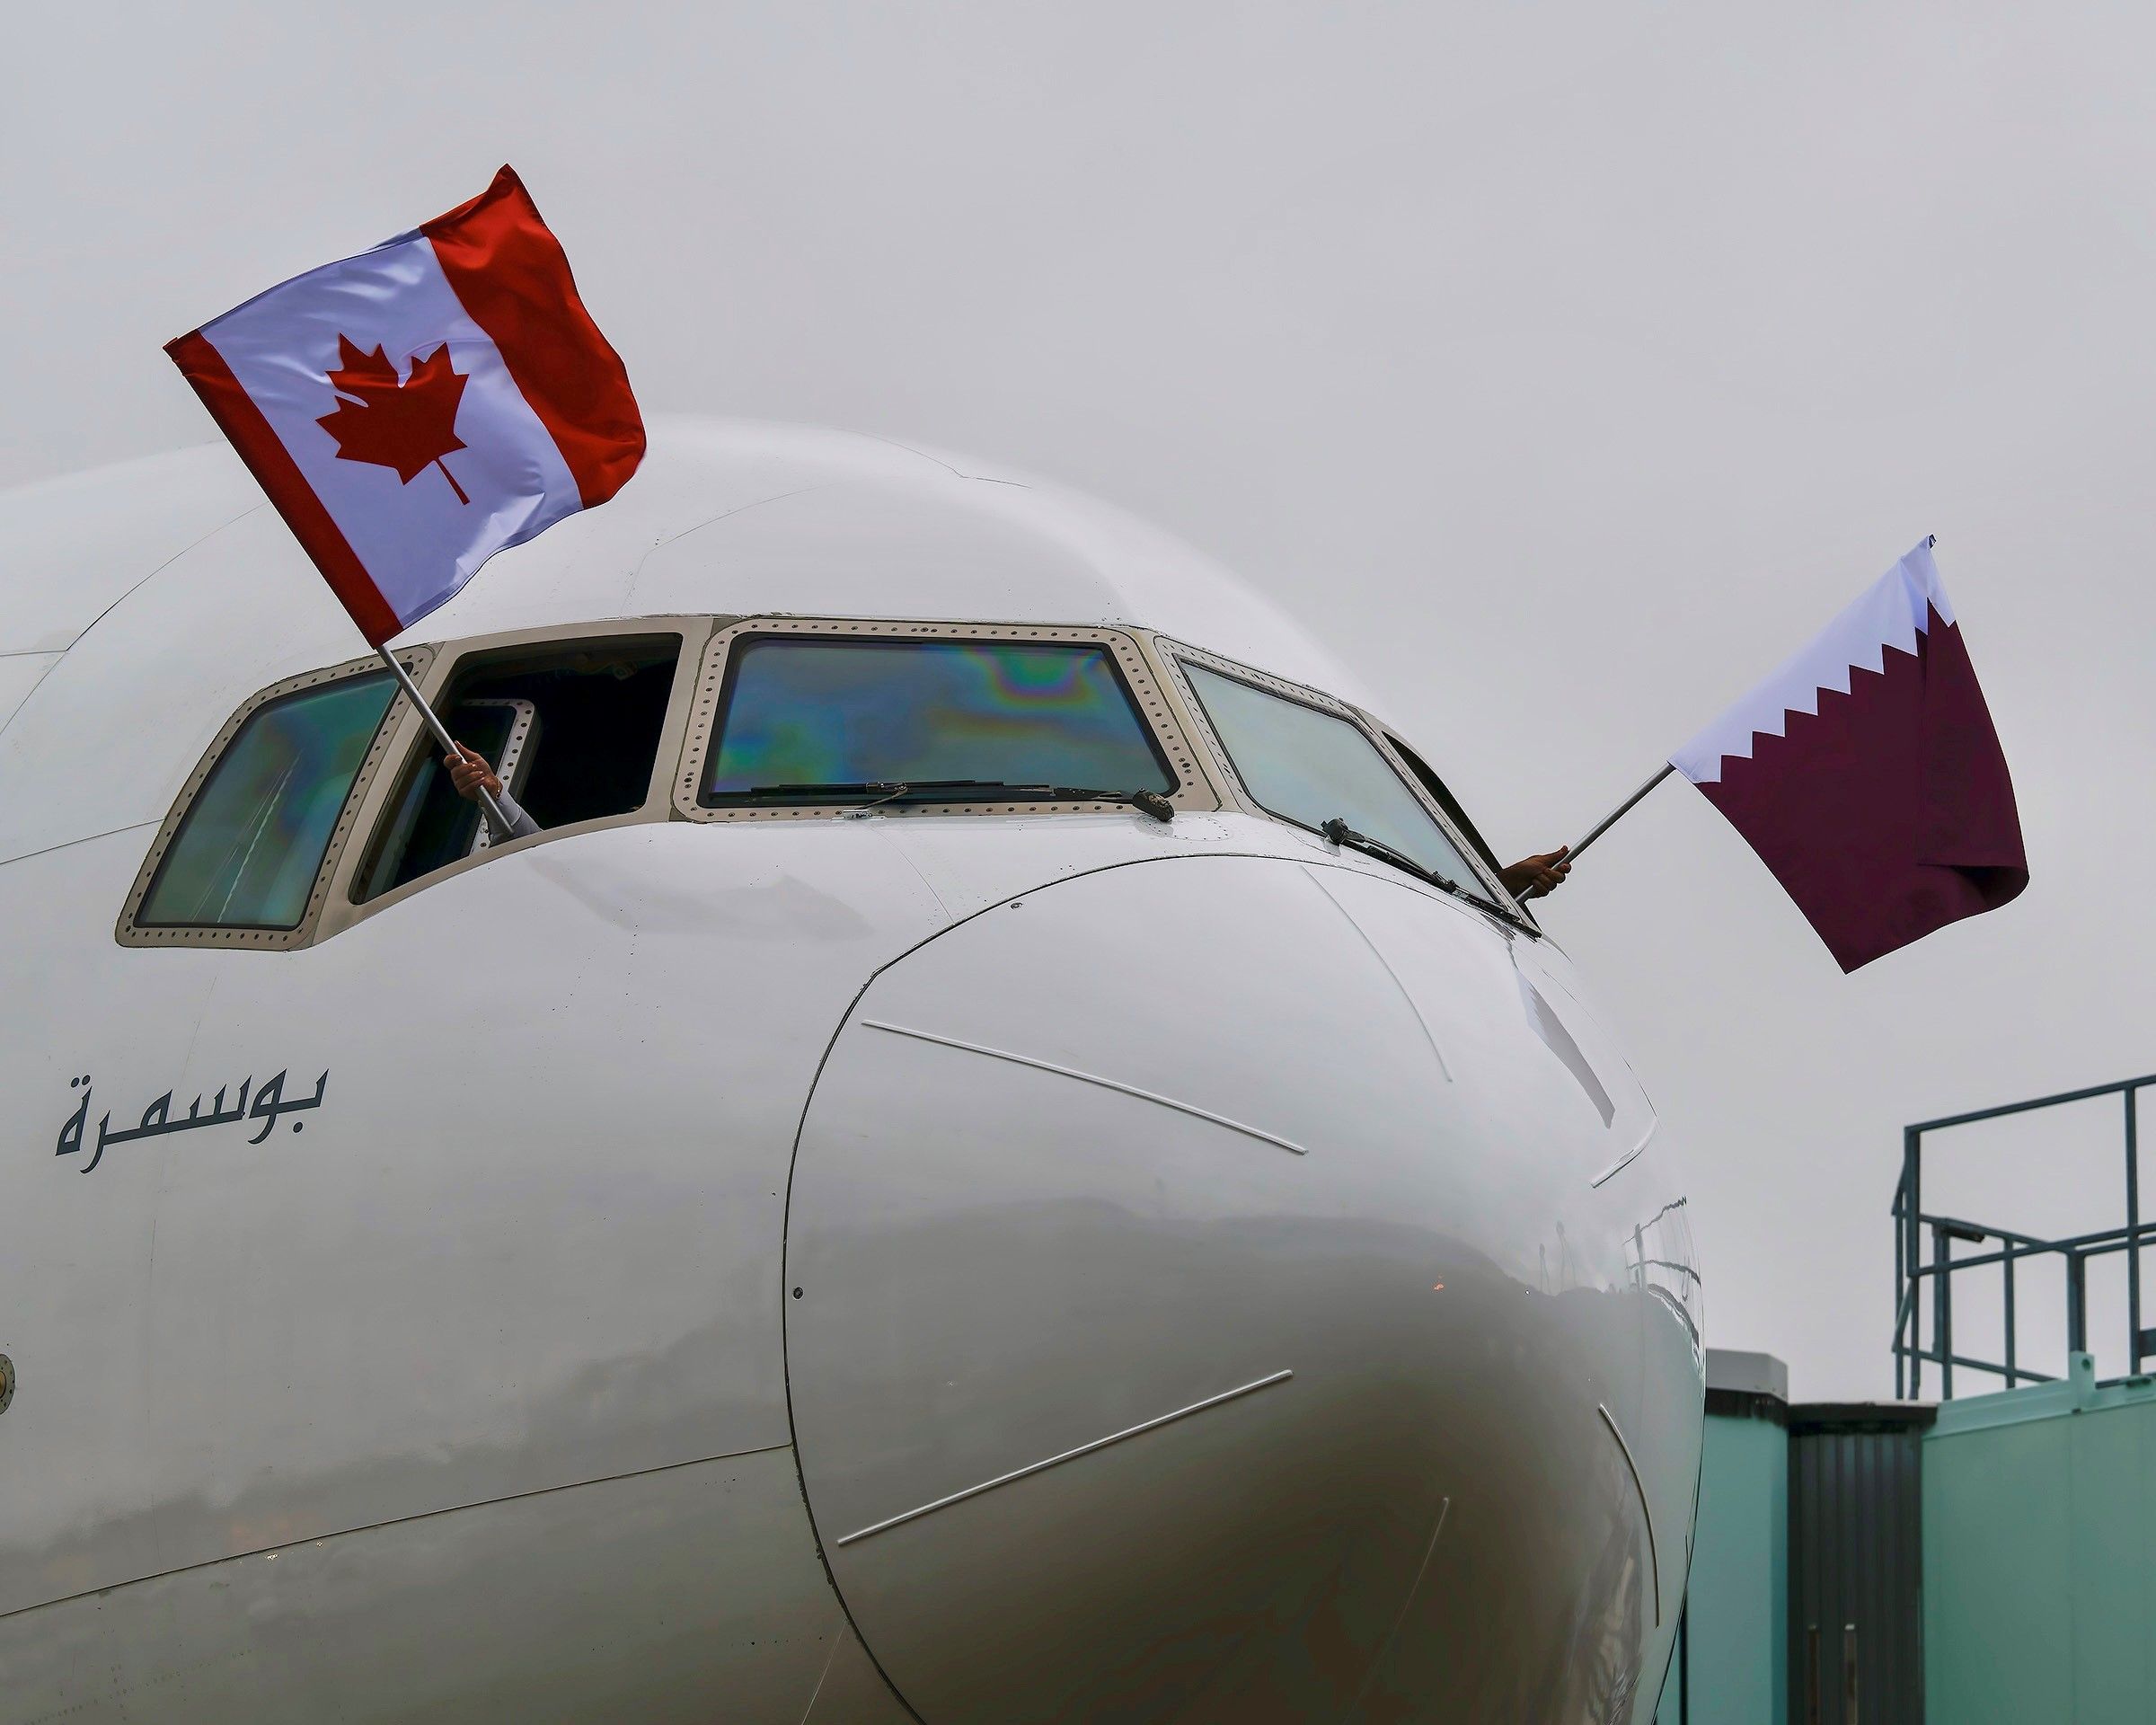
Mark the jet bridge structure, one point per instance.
(1980, 1559)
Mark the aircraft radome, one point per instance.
(840, 1226)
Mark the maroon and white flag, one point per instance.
(416, 409)
(1867, 775)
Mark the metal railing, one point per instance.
(1912, 1268)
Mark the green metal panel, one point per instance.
(2040, 1555)
(1738, 1600)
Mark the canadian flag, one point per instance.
(1867, 775)
(416, 409)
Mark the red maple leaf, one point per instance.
(408, 424)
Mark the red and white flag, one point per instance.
(1867, 775)
(416, 409)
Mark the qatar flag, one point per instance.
(1867, 775)
(416, 409)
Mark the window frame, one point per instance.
(450, 661)
(1177, 654)
(1426, 778)
(512, 767)
(129, 932)
(1195, 790)
(1147, 663)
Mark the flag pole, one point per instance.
(1619, 812)
(449, 743)
(1610, 819)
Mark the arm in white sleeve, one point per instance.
(521, 825)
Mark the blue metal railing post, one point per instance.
(1916, 1208)
(1901, 1274)
(2133, 1234)
(2010, 1314)
(2077, 1303)
(1912, 1150)
(1942, 1309)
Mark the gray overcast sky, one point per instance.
(1563, 365)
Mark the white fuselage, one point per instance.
(1036, 1265)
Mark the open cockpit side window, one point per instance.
(1436, 789)
(798, 718)
(1312, 761)
(573, 728)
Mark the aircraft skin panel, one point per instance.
(20, 673)
(530, 1236)
(1237, 1281)
(853, 1691)
(904, 536)
(75, 1278)
(969, 879)
(77, 543)
(686, 1594)
(114, 729)
(1054, 1340)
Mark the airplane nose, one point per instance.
(1195, 1284)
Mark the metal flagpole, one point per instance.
(1621, 810)
(449, 743)
(1610, 820)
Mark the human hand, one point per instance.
(471, 775)
(1537, 877)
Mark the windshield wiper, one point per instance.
(1146, 803)
(871, 791)
(814, 792)
(875, 792)
(1342, 834)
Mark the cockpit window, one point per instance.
(572, 727)
(246, 854)
(1442, 797)
(818, 720)
(1310, 766)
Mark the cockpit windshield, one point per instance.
(853, 720)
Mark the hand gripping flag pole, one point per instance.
(450, 747)
(348, 391)
(1608, 820)
(1866, 774)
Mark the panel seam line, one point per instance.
(1089, 1078)
(1068, 1456)
(394, 1521)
